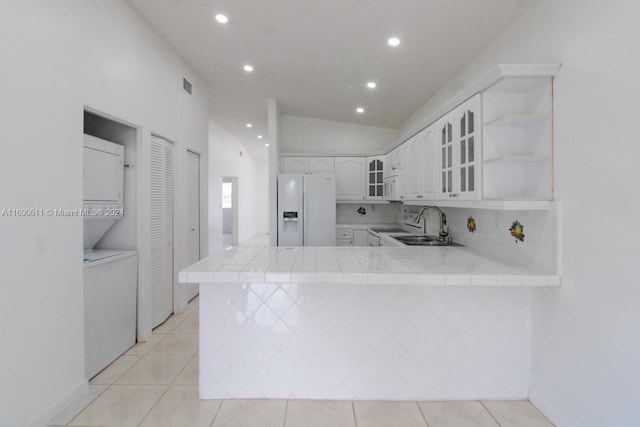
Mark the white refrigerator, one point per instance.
(306, 209)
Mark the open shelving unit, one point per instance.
(518, 140)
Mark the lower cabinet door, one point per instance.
(344, 242)
(360, 237)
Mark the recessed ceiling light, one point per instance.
(248, 68)
(249, 125)
(372, 85)
(359, 110)
(222, 18)
(266, 145)
(393, 41)
(259, 136)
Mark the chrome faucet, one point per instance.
(444, 229)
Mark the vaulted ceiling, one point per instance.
(316, 56)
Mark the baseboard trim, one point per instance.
(76, 393)
(145, 336)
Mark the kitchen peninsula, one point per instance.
(363, 323)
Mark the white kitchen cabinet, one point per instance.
(307, 164)
(394, 162)
(517, 131)
(386, 170)
(375, 181)
(350, 178)
(392, 175)
(360, 237)
(344, 242)
(420, 172)
(460, 148)
(295, 164)
(430, 163)
(344, 237)
(321, 165)
(413, 168)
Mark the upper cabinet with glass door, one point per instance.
(375, 181)
(460, 146)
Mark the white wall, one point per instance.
(274, 120)
(225, 159)
(261, 220)
(307, 135)
(58, 57)
(585, 338)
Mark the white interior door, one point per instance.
(193, 216)
(162, 195)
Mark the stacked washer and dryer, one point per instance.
(110, 276)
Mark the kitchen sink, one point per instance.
(415, 238)
(423, 241)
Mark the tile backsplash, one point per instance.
(492, 236)
(347, 213)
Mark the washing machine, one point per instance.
(110, 301)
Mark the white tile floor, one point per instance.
(155, 384)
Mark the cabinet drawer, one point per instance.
(344, 242)
(344, 234)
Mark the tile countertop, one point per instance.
(433, 266)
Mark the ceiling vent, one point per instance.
(186, 84)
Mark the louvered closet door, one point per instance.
(161, 230)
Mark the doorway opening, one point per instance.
(229, 211)
(193, 217)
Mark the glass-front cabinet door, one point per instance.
(467, 151)
(460, 151)
(446, 158)
(375, 181)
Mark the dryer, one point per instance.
(103, 187)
